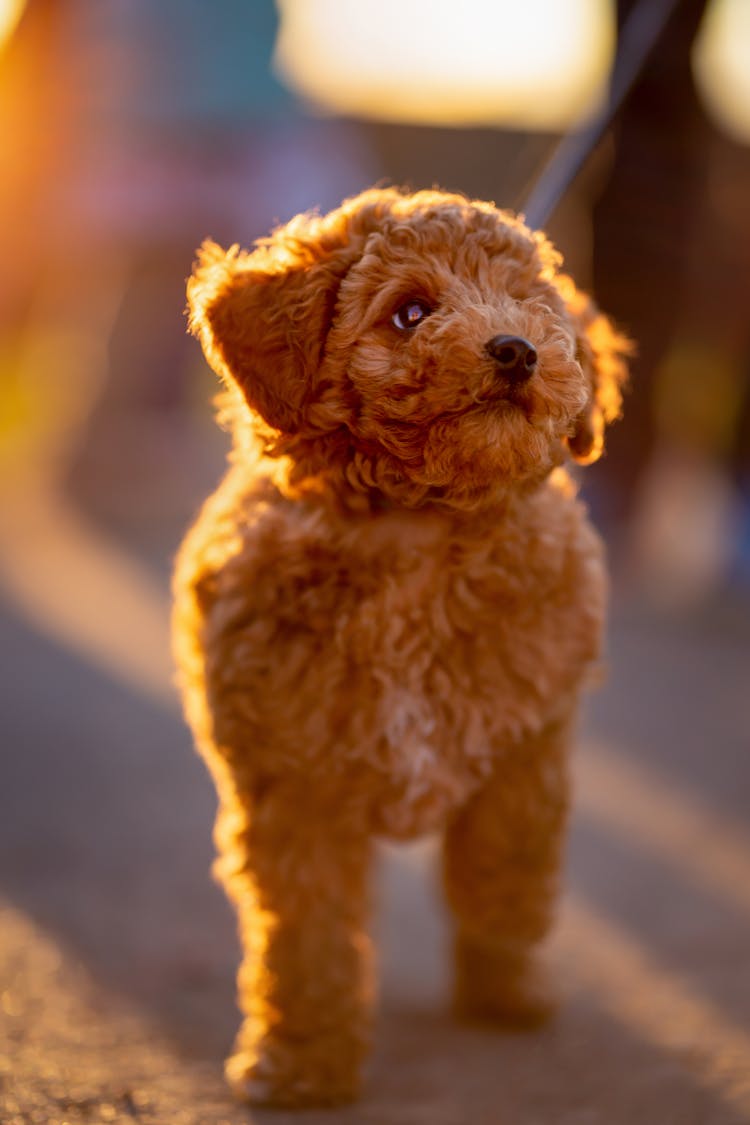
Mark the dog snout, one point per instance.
(515, 357)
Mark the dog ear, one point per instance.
(602, 352)
(263, 317)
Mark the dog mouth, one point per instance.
(511, 405)
(505, 398)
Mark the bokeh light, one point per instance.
(540, 65)
(10, 13)
(721, 63)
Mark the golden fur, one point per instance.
(385, 613)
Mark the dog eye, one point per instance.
(410, 314)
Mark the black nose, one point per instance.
(515, 357)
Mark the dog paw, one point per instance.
(504, 988)
(291, 1077)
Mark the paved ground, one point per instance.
(118, 953)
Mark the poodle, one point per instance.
(385, 614)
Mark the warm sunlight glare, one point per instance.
(534, 64)
(10, 13)
(721, 62)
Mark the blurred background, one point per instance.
(132, 129)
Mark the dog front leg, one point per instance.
(501, 861)
(295, 863)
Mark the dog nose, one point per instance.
(514, 356)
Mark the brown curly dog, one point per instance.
(386, 612)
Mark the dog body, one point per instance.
(403, 656)
(386, 612)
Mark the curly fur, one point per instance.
(385, 614)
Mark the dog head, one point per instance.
(418, 348)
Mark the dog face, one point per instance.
(421, 347)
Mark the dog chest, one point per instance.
(399, 650)
(458, 655)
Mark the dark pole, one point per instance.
(638, 39)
